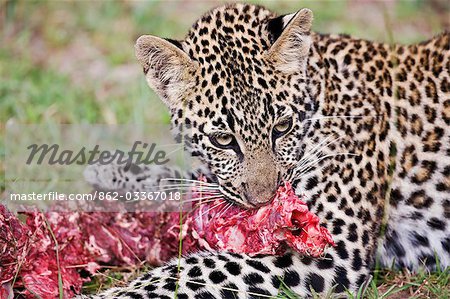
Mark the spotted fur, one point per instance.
(379, 114)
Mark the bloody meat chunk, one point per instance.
(285, 222)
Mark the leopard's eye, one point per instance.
(222, 140)
(282, 127)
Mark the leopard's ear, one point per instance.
(166, 67)
(291, 40)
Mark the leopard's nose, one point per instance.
(260, 195)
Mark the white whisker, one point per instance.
(312, 151)
(311, 163)
(189, 180)
(215, 197)
(188, 187)
(213, 207)
(221, 209)
(318, 160)
(310, 156)
(204, 202)
(226, 209)
(340, 116)
(173, 151)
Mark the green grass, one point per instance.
(35, 95)
(73, 62)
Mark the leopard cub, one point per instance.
(362, 128)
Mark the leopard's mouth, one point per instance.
(235, 198)
(242, 200)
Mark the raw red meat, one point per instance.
(285, 221)
(28, 254)
(28, 250)
(14, 244)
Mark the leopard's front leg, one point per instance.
(226, 275)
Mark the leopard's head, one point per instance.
(239, 88)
